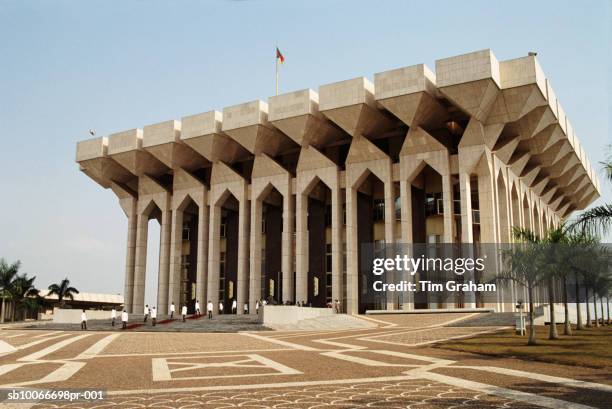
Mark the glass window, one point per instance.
(378, 210)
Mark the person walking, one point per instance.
(83, 320)
(146, 312)
(113, 316)
(246, 308)
(124, 319)
(234, 307)
(337, 306)
(184, 312)
(172, 309)
(153, 316)
(209, 309)
(197, 308)
(220, 307)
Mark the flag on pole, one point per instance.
(279, 57)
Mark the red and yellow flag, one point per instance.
(279, 56)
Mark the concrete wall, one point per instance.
(73, 316)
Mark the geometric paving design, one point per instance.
(389, 366)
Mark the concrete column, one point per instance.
(486, 202)
(390, 236)
(140, 265)
(447, 202)
(214, 243)
(287, 246)
(202, 252)
(406, 209)
(406, 198)
(336, 208)
(242, 292)
(467, 233)
(173, 284)
(352, 283)
(301, 247)
(164, 261)
(255, 259)
(130, 258)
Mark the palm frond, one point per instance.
(597, 220)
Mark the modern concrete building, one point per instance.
(272, 200)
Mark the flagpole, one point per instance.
(276, 59)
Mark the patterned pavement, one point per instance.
(391, 366)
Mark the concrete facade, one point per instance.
(273, 200)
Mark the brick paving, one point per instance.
(391, 366)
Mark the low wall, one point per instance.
(289, 314)
(73, 316)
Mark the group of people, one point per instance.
(152, 312)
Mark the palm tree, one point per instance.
(550, 266)
(521, 265)
(579, 255)
(22, 288)
(8, 272)
(63, 290)
(598, 219)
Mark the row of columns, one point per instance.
(497, 213)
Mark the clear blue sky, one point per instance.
(67, 66)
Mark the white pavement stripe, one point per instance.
(573, 383)
(51, 348)
(98, 347)
(512, 394)
(40, 341)
(61, 374)
(279, 342)
(386, 324)
(6, 348)
(263, 385)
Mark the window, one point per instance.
(378, 210)
(328, 257)
(328, 216)
(185, 232)
(398, 208)
(433, 204)
(223, 225)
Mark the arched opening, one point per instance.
(528, 224)
(185, 288)
(153, 253)
(427, 228)
(514, 200)
(536, 221)
(370, 229)
(271, 245)
(319, 259)
(228, 252)
(504, 222)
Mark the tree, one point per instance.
(21, 288)
(550, 265)
(63, 291)
(8, 272)
(521, 265)
(580, 253)
(598, 219)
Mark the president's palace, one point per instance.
(272, 200)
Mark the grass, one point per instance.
(590, 347)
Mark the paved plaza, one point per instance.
(393, 365)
